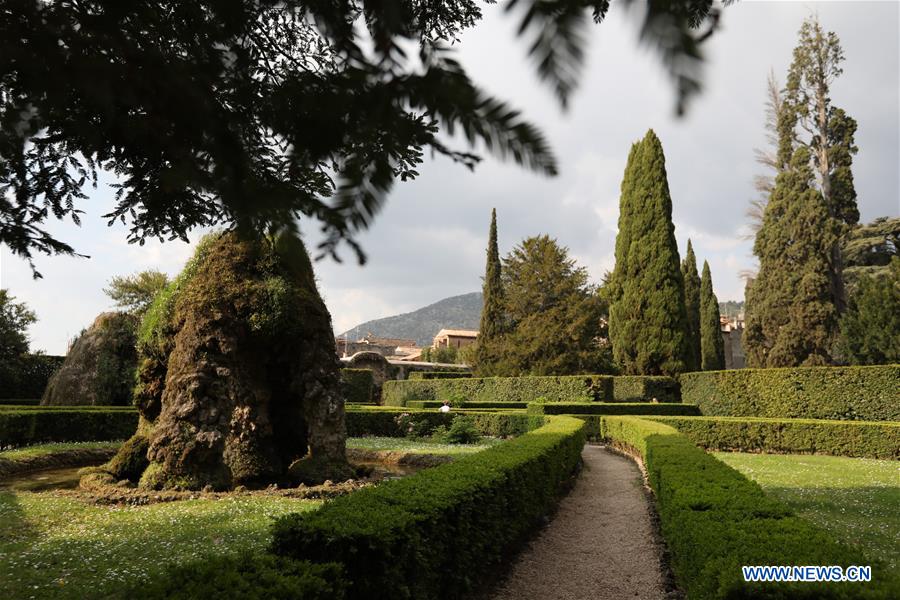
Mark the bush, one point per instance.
(414, 425)
(641, 388)
(860, 439)
(611, 408)
(439, 533)
(247, 577)
(569, 388)
(27, 376)
(21, 427)
(843, 393)
(467, 405)
(715, 520)
(439, 374)
(382, 422)
(19, 402)
(359, 386)
(462, 431)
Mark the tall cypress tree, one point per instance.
(792, 317)
(492, 312)
(692, 305)
(648, 320)
(712, 346)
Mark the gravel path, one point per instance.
(600, 544)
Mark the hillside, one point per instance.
(456, 312)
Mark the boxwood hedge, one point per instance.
(715, 520)
(20, 427)
(439, 533)
(466, 405)
(382, 421)
(359, 385)
(638, 388)
(27, 375)
(860, 439)
(611, 408)
(439, 374)
(500, 389)
(843, 393)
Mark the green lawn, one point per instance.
(858, 499)
(419, 445)
(57, 547)
(40, 449)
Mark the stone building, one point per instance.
(454, 338)
(370, 343)
(732, 332)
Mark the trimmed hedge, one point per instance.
(643, 388)
(383, 422)
(30, 426)
(441, 532)
(568, 388)
(860, 439)
(439, 374)
(843, 393)
(483, 405)
(359, 385)
(27, 377)
(715, 520)
(611, 408)
(4, 402)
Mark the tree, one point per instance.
(871, 326)
(134, 293)
(254, 113)
(648, 323)
(869, 249)
(692, 306)
(556, 318)
(15, 318)
(712, 344)
(767, 157)
(791, 311)
(492, 316)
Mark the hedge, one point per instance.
(359, 385)
(383, 422)
(30, 426)
(843, 393)
(439, 374)
(637, 388)
(467, 405)
(4, 402)
(715, 520)
(860, 439)
(27, 376)
(500, 389)
(611, 408)
(441, 532)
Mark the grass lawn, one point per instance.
(40, 449)
(419, 445)
(857, 499)
(57, 547)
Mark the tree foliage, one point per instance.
(712, 344)
(648, 323)
(15, 318)
(135, 293)
(868, 249)
(493, 319)
(253, 113)
(692, 303)
(871, 326)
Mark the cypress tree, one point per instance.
(492, 312)
(692, 305)
(648, 320)
(792, 317)
(871, 326)
(712, 346)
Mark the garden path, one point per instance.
(599, 545)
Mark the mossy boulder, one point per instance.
(99, 369)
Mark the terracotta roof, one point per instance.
(457, 333)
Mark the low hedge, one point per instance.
(383, 422)
(642, 388)
(441, 532)
(611, 408)
(466, 405)
(359, 385)
(19, 402)
(27, 376)
(715, 520)
(843, 393)
(860, 439)
(30, 426)
(439, 374)
(569, 388)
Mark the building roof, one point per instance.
(467, 333)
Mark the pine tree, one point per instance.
(648, 321)
(492, 317)
(792, 316)
(692, 305)
(712, 344)
(871, 326)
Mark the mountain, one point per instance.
(456, 312)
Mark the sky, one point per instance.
(429, 241)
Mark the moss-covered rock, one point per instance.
(99, 369)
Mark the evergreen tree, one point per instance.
(648, 321)
(15, 319)
(871, 326)
(712, 344)
(792, 317)
(555, 316)
(492, 317)
(692, 305)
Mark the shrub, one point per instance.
(861, 439)
(19, 427)
(439, 533)
(381, 421)
(359, 386)
(641, 388)
(413, 425)
(462, 431)
(843, 393)
(500, 389)
(27, 376)
(611, 408)
(465, 404)
(439, 374)
(247, 577)
(715, 520)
